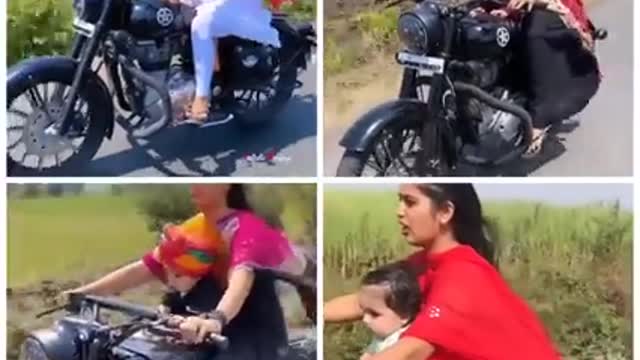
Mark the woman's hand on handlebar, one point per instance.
(64, 297)
(195, 330)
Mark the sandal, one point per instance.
(199, 111)
(536, 144)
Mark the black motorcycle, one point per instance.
(142, 48)
(83, 334)
(460, 102)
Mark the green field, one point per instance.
(78, 236)
(56, 238)
(573, 265)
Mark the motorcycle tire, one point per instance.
(95, 134)
(284, 90)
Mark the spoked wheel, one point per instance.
(33, 121)
(393, 153)
(259, 105)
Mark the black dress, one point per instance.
(562, 76)
(259, 330)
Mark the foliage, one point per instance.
(161, 204)
(356, 39)
(300, 9)
(37, 27)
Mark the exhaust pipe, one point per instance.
(494, 102)
(159, 87)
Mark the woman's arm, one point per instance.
(124, 278)
(342, 309)
(406, 349)
(194, 329)
(240, 283)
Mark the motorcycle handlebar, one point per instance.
(76, 300)
(219, 340)
(162, 327)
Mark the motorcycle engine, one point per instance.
(251, 62)
(499, 132)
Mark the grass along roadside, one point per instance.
(572, 264)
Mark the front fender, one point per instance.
(60, 69)
(408, 111)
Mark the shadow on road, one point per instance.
(214, 151)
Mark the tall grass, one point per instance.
(572, 264)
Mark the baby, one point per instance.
(390, 299)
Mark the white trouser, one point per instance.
(219, 18)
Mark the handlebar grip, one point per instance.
(219, 340)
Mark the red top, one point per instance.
(577, 9)
(469, 312)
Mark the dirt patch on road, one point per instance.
(352, 93)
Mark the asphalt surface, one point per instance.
(596, 142)
(219, 150)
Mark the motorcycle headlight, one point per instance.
(413, 32)
(32, 349)
(422, 29)
(56, 343)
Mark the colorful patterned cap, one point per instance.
(187, 251)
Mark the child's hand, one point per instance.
(365, 356)
(164, 310)
(477, 11)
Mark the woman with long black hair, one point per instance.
(468, 310)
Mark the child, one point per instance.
(390, 299)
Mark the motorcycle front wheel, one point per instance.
(393, 153)
(33, 118)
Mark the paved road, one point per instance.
(217, 151)
(601, 144)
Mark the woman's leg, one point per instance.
(562, 77)
(204, 53)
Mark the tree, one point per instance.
(31, 190)
(117, 189)
(55, 190)
(161, 204)
(75, 189)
